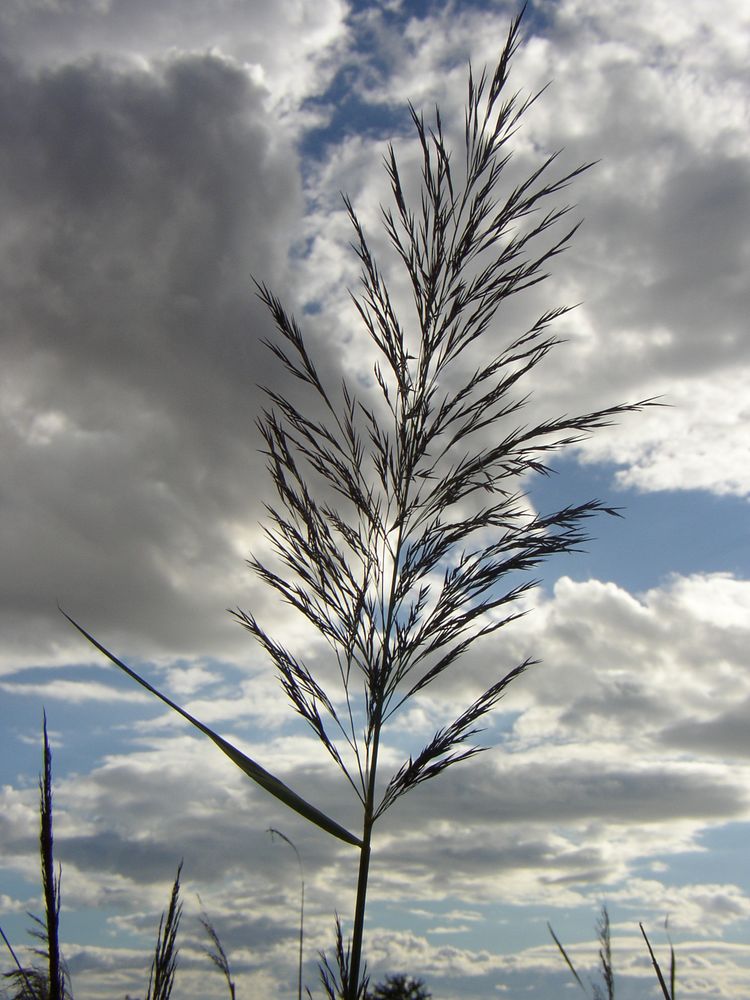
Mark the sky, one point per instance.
(156, 157)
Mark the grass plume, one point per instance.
(164, 962)
(400, 529)
(606, 969)
(217, 954)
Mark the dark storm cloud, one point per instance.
(136, 207)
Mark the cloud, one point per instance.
(147, 176)
(637, 663)
(660, 263)
(694, 909)
(72, 691)
(130, 338)
(724, 735)
(285, 46)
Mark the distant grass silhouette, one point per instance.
(606, 968)
(52, 981)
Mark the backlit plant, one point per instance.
(400, 530)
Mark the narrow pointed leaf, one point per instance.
(565, 955)
(258, 774)
(656, 966)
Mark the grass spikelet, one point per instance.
(164, 963)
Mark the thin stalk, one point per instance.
(51, 884)
(672, 961)
(566, 956)
(359, 913)
(657, 968)
(377, 723)
(364, 864)
(286, 839)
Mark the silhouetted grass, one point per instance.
(217, 954)
(50, 881)
(669, 994)
(164, 963)
(52, 982)
(606, 967)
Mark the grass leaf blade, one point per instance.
(565, 955)
(656, 966)
(265, 779)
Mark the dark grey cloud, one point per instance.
(680, 254)
(137, 204)
(108, 851)
(727, 735)
(469, 859)
(519, 791)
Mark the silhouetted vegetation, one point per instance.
(400, 987)
(400, 529)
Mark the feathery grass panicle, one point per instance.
(217, 954)
(399, 529)
(50, 880)
(336, 976)
(605, 957)
(421, 553)
(164, 963)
